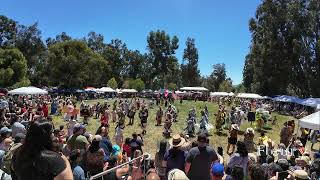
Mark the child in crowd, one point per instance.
(262, 138)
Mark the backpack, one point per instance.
(7, 158)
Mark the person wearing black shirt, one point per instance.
(143, 114)
(199, 160)
(35, 159)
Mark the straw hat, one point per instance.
(235, 127)
(177, 174)
(249, 131)
(176, 141)
(301, 174)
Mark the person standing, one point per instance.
(143, 114)
(159, 116)
(233, 138)
(131, 114)
(159, 158)
(175, 158)
(248, 140)
(199, 160)
(284, 135)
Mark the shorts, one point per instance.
(232, 140)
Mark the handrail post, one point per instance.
(119, 166)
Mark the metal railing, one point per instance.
(144, 156)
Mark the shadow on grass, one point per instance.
(221, 134)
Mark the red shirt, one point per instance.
(45, 110)
(126, 148)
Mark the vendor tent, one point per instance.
(249, 96)
(289, 99)
(311, 122)
(128, 91)
(231, 94)
(312, 102)
(193, 89)
(90, 90)
(105, 90)
(28, 91)
(219, 94)
(180, 92)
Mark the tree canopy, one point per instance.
(284, 53)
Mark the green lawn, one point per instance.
(154, 133)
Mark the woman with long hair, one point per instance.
(159, 158)
(35, 158)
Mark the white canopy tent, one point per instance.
(128, 91)
(181, 92)
(249, 96)
(194, 89)
(105, 90)
(219, 94)
(28, 91)
(311, 121)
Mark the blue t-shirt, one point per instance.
(175, 160)
(78, 173)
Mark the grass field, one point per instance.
(154, 133)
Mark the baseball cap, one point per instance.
(5, 130)
(77, 127)
(217, 169)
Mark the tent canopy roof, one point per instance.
(311, 121)
(285, 98)
(193, 89)
(105, 89)
(221, 94)
(28, 91)
(249, 95)
(128, 91)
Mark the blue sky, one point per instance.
(220, 27)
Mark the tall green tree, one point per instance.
(137, 84)
(162, 48)
(13, 68)
(112, 83)
(114, 53)
(59, 38)
(219, 74)
(95, 42)
(189, 68)
(74, 65)
(284, 54)
(28, 41)
(8, 31)
(226, 86)
(135, 64)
